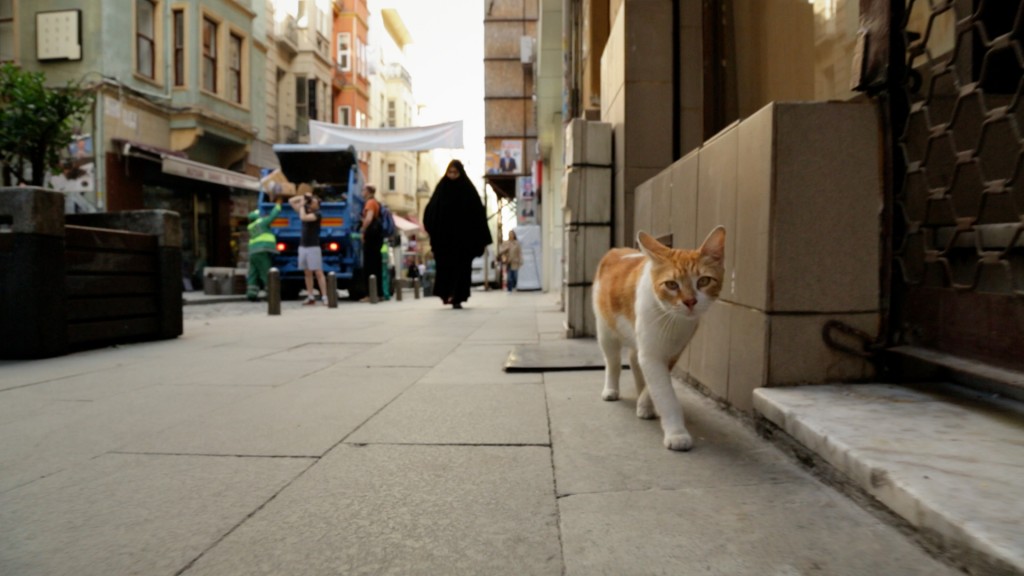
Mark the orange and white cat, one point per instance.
(650, 301)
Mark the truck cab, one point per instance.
(334, 174)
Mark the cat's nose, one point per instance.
(690, 303)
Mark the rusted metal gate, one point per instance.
(956, 88)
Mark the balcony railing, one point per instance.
(286, 31)
(393, 71)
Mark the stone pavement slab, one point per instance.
(789, 529)
(72, 433)
(404, 510)
(602, 446)
(299, 419)
(460, 414)
(133, 514)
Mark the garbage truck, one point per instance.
(333, 172)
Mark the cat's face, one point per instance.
(686, 282)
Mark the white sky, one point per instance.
(446, 61)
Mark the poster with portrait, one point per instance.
(510, 159)
(77, 174)
(526, 201)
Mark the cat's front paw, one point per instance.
(680, 442)
(609, 395)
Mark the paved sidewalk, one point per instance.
(385, 439)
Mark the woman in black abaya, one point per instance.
(456, 221)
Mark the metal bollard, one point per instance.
(372, 285)
(274, 292)
(398, 289)
(416, 288)
(332, 290)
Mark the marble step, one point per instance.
(947, 459)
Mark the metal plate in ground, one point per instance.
(575, 354)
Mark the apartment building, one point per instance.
(351, 86)
(191, 96)
(393, 105)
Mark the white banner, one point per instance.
(412, 139)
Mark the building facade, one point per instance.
(692, 90)
(393, 105)
(191, 95)
(351, 88)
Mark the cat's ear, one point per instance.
(650, 246)
(714, 244)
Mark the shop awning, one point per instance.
(177, 164)
(504, 185)
(404, 225)
(208, 173)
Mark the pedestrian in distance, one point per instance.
(456, 222)
(307, 206)
(511, 254)
(373, 239)
(262, 247)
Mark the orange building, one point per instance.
(350, 93)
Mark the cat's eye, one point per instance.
(704, 281)
(671, 285)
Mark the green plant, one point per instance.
(36, 123)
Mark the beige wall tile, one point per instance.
(588, 194)
(613, 62)
(753, 211)
(683, 223)
(826, 208)
(619, 228)
(661, 204)
(748, 357)
(579, 312)
(798, 355)
(585, 246)
(649, 128)
(642, 201)
(709, 350)
(632, 177)
(716, 195)
(648, 33)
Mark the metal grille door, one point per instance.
(958, 210)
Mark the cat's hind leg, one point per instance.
(611, 349)
(644, 405)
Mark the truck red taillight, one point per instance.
(280, 246)
(332, 246)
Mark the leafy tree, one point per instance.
(36, 123)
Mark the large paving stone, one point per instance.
(300, 419)
(785, 529)
(460, 414)
(70, 433)
(133, 514)
(476, 364)
(602, 446)
(404, 510)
